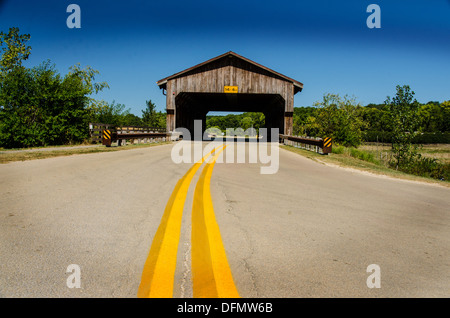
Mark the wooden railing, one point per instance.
(123, 132)
(95, 131)
(135, 129)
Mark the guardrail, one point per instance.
(111, 135)
(96, 130)
(133, 129)
(320, 145)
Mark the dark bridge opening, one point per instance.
(195, 106)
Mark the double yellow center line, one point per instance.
(210, 270)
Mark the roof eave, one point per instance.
(162, 82)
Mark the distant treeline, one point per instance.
(350, 123)
(422, 138)
(244, 121)
(374, 121)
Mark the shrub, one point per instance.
(428, 167)
(362, 155)
(337, 149)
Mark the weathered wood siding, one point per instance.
(213, 77)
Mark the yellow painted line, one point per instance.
(211, 272)
(159, 269)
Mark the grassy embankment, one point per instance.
(374, 158)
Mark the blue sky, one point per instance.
(326, 45)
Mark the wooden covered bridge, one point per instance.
(229, 82)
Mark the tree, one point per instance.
(259, 120)
(430, 117)
(151, 118)
(149, 115)
(109, 113)
(311, 127)
(38, 106)
(132, 120)
(304, 121)
(337, 118)
(403, 109)
(14, 49)
(162, 120)
(446, 115)
(246, 122)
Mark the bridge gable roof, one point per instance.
(298, 86)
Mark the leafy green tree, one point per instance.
(337, 118)
(303, 121)
(84, 79)
(109, 113)
(132, 120)
(445, 106)
(311, 127)
(247, 122)
(371, 118)
(14, 49)
(260, 120)
(162, 122)
(38, 106)
(232, 121)
(149, 115)
(403, 109)
(152, 118)
(434, 116)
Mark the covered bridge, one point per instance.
(229, 82)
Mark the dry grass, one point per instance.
(441, 152)
(49, 152)
(346, 161)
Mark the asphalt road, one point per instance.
(309, 230)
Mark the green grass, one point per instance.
(355, 153)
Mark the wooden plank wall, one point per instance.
(211, 78)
